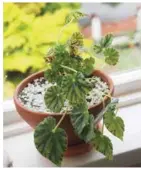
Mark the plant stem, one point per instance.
(108, 95)
(58, 124)
(68, 68)
(98, 58)
(63, 29)
(102, 127)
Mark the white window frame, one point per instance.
(127, 82)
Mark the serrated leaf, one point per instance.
(79, 117)
(106, 41)
(75, 87)
(88, 65)
(50, 75)
(54, 98)
(97, 48)
(13, 42)
(75, 42)
(50, 54)
(88, 131)
(60, 52)
(111, 56)
(51, 144)
(73, 16)
(103, 144)
(114, 124)
(60, 56)
(12, 9)
(34, 61)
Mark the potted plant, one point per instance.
(66, 102)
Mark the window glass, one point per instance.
(124, 21)
(30, 29)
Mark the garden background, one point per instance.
(30, 29)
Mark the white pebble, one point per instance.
(32, 96)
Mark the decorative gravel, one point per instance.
(32, 96)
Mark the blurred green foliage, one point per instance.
(29, 30)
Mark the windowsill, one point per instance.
(127, 153)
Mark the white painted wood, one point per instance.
(7, 162)
(139, 19)
(10, 114)
(128, 100)
(16, 129)
(120, 40)
(127, 82)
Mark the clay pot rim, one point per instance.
(17, 91)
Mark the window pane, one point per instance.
(130, 58)
(124, 21)
(30, 29)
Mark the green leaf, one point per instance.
(51, 144)
(79, 117)
(103, 144)
(56, 56)
(50, 54)
(75, 87)
(88, 131)
(14, 42)
(51, 76)
(61, 57)
(34, 61)
(54, 98)
(75, 62)
(106, 41)
(112, 122)
(97, 48)
(88, 65)
(111, 56)
(12, 9)
(74, 16)
(75, 42)
(60, 53)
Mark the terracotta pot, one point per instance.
(33, 118)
